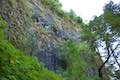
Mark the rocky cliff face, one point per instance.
(38, 30)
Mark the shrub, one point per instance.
(15, 66)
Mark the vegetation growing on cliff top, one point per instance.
(56, 6)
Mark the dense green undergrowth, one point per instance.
(14, 65)
(78, 57)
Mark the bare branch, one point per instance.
(115, 57)
(101, 67)
(116, 61)
(109, 55)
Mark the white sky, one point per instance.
(86, 9)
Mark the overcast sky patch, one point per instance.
(86, 9)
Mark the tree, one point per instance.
(54, 5)
(105, 41)
(112, 15)
(71, 14)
